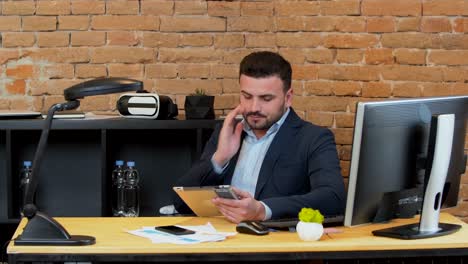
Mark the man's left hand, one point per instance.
(246, 208)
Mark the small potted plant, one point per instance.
(309, 227)
(199, 105)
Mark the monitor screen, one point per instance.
(390, 147)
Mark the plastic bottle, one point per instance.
(132, 191)
(118, 189)
(25, 179)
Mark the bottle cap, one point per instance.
(119, 162)
(130, 163)
(27, 163)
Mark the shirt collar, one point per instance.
(273, 129)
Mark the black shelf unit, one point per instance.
(76, 173)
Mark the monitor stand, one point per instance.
(440, 147)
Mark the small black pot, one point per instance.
(199, 107)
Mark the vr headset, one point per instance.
(146, 105)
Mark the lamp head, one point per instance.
(102, 86)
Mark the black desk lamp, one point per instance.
(41, 229)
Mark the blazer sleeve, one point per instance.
(326, 191)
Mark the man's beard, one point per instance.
(265, 122)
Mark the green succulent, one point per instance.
(310, 215)
(199, 92)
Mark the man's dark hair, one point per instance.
(266, 64)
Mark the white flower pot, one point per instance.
(309, 231)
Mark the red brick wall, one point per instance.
(342, 51)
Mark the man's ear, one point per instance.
(288, 97)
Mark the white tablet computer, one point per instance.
(199, 198)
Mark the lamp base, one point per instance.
(411, 231)
(44, 230)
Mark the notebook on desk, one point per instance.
(17, 114)
(199, 199)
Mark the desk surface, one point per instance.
(112, 240)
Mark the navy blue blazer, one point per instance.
(301, 169)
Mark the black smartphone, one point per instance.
(226, 192)
(174, 230)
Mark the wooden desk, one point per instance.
(114, 244)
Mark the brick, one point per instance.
(192, 24)
(38, 104)
(88, 38)
(260, 40)
(348, 72)
(319, 55)
(407, 89)
(39, 23)
(125, 22)
(460, 89)
(90, 71)
(17, 39)
(88, 7)
(187, 86)
(344, 151)
(167, 40)
(230, 86)
(340, 7)
(191, 55)
(190, 8)
(408, 24)
(318, 88)
(157, 8)
(454, 41)
(395, 8)
(51, 87)
(126, 70)
(350, 24)
(20, 72)
(345, 120)
(47, 7)
(59, 71)
(53, 39)
(349, 55)
(6, 55)
(223, 8)
(410, 40)
(224, 71)
(350, 41)
(21, 103)
(376, 89)
(51, 100)
(122, 55)
(378, 56)
(460, 25)
(193, 70)
(412, 73)
(235, 56)
(304, 72)
(229, 40)
(100, 102)
(443, 7)
(73, 22)
(10, 23)
(196, 40)
(226, 101)
(455, 74)
(61, 55)
(161, 70)
(291, 24)
(345, 88)
(380, 24)
(122, 7)
(16, 87)
(436, 89)
(324, 119)
(435, 24)
(257, 8)
(250, 24)
(122, 38)
(297, 8)
(345, 167)
(343, 135)
(448, 57)
(294, 55)
(18, 8)
(410, 56)
(298, 40)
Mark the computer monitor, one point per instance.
(392, 156)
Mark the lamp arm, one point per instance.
(30, 208)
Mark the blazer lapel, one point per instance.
(280, 142)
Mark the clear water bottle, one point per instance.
(132, 191)
(25, 180)
(117, 196)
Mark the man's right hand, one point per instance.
(229, 138)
